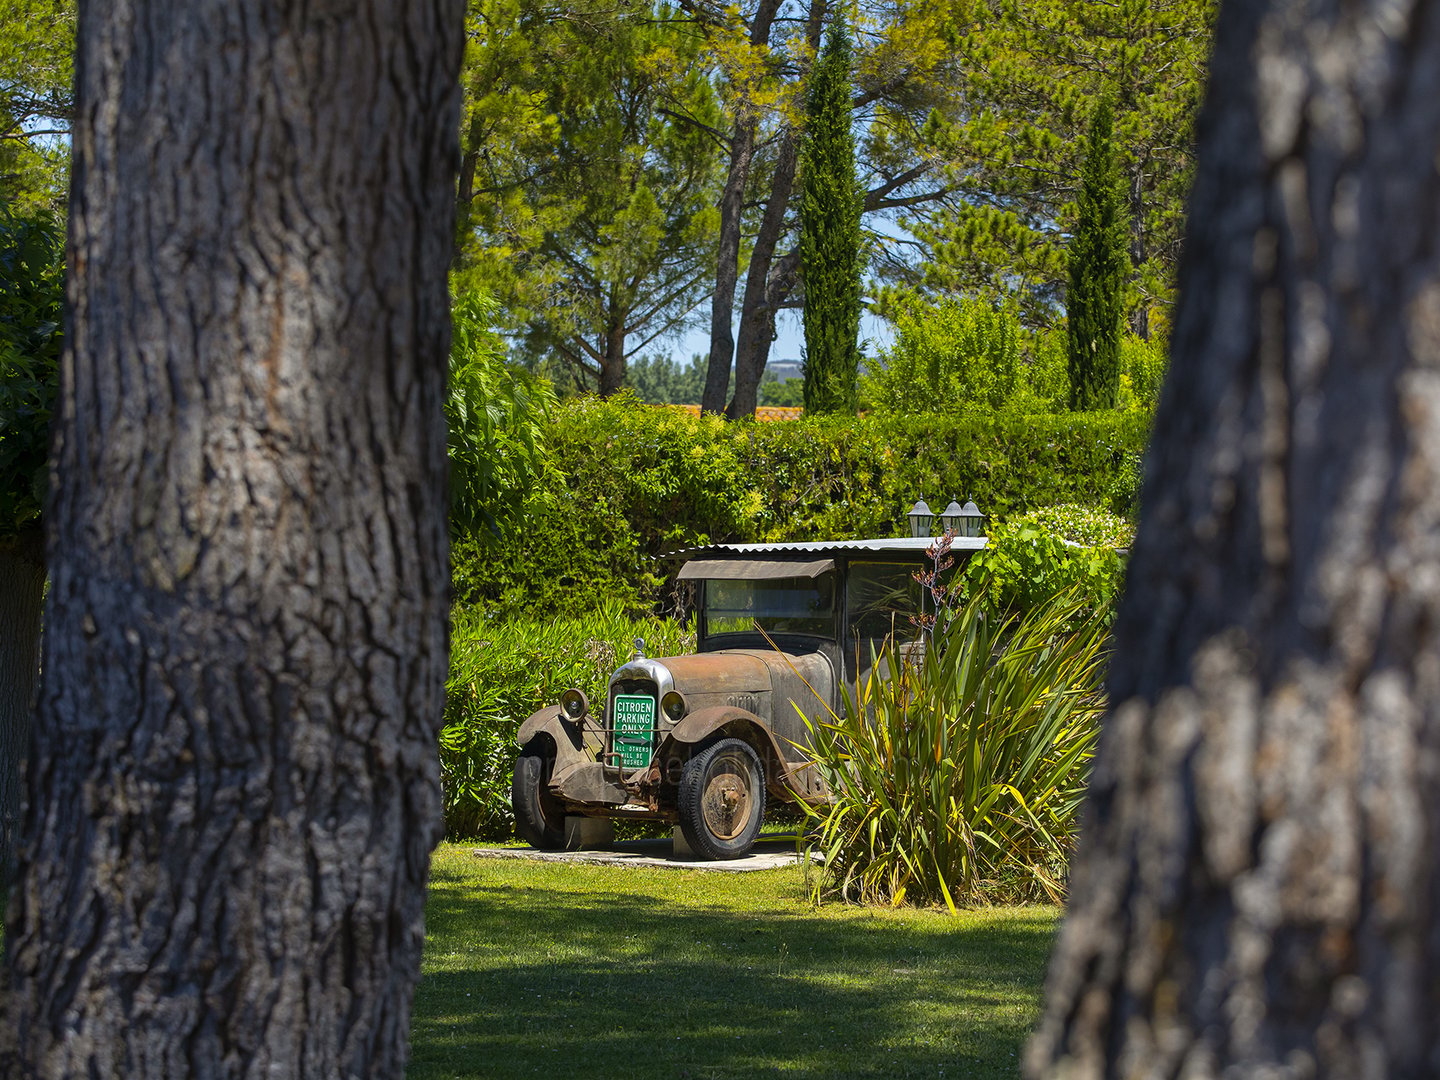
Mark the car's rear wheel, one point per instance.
(539, 816)
(722, 800)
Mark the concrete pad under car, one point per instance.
(660, 854)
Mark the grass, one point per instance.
(535, 969)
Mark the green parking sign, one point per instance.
(634, 729)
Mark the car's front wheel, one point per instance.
(722, 800)
(539, 816)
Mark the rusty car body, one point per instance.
(708, 739)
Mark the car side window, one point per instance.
(879, 600)
(784, 605)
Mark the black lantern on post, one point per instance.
(921, 517)
(950, 518)
(968, 522)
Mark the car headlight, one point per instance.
(574, 704)
(674, 704)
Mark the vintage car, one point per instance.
(707, 740)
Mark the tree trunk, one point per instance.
(765, 290)
(612, 362)
(727, 273)
(22, 588)
(753, 352)
(1140, 317)
(235, 790)
(465, 188)
(757, 314)
(1259, 884)
(732, 209)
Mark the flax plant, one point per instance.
(958, 769)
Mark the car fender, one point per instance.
(568, 737)
(546, 720)
(701, 724)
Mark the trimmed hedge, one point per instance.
(628, 483)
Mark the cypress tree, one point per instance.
(1099, 262)
(830, 205)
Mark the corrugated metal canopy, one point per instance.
(754, 569)
(890, 545)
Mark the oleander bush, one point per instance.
(501, 671)
(496, 417)
(959, 773)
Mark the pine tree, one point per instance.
(586, 210)
(1099, 264)
(1032, 70)
(830, 258)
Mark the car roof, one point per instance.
(895, 545)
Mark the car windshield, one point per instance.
(781, 606)
(880, 598)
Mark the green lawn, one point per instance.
(601, 972)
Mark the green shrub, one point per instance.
(496, 418)
(1083, 525)
(501, 672)
(959, 778)
(1143, 365)
(629, 483)
(1025, 564)
(967, 356)
(956, 356)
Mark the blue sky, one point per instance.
(788, 343)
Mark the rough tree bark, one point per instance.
(612, 358)
(1140, 317)
(767, 282)
(234, 789)
(1258, 888)
(727, 272)
(727, 260)
(22, 587)
(757, 313)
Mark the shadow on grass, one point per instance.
(533, 981)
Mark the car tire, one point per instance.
(539, 816)
(722, 800)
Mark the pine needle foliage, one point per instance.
(1099, 266)
(830, 255)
